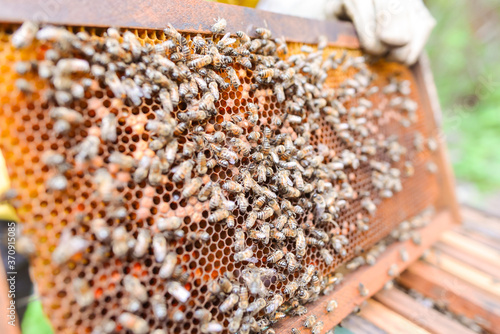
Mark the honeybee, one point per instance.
(310, 321)
(244, 255)
(363, 291)
(203, 315)
(214, 90)
(202, 84)
(239, 240)
(235, 80)
(275, 256)
(266, 213)
(211, 327)
(274, 303)
(404, 254)
(253, 113)
(317, 327)
(159, 307)
(218, 216)
(307, 275)
(135, 288)
(192, 187)
(253, 136)
(199, 235)
(171, 151)
(242, 202)
(24, 36)
(178, 291)
(166, 104)
(169, 224)
(199, 43)
(168, 266)
(267, 73)
(393, 270)
(257, 305)
(300, 243)
(161, 331)
(257, 235)
(232, 186)
(280, 222)
(200, 62)
(207, 102)
(290, 288)
(72, 65)
(211, 163)
(117, 212)
(230, 221)
(331, 306)
(368, 205)
(133, 323)
(235, 321)
(327, 256)
(159, 245)
(293, 264)
(87, 149)
(280, 93)
(228, 155)
(232, 128)
(114, 83)
(219, 26)
(183, 171)
(54, 159)
(69, 115)
(84, 295)
(68, 247)
(134, 92)
(171, 32)
(245, 61)
(251, 219)
(154, 176)
(143, 242)
(174, 95)
(299, 311)
(177, 316)
(229, 303)
(217, 197)
(205, 192)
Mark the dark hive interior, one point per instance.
(89, 218)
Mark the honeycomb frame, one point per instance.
(20, 113)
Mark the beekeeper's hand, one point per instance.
(398, 28)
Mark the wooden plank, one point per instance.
(467, 258)
(425, 317)
(457, 295)
(387, 320)
(463, 271)
(359, 325)
(186, 15)
(373, 277)
(472, 247)
(479, 237)
(430, 104)
(480, 222)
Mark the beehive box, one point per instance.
(335, 135)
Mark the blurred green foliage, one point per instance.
(463, 50)
(34, 321)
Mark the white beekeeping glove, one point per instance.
(397, 28)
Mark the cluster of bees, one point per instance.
(290, 191)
